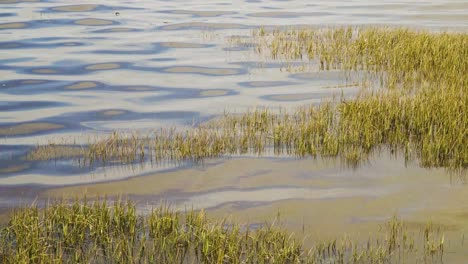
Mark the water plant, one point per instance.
(105, 232)
(422, 114)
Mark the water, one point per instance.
(71, 71)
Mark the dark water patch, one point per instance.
(155, 48)
(31, 45)
(187, 93)
(200, 13)
(117, 30)
(16, 60)
(202, 26)
(86, 8)
(279, 14)
(263, 84)
(10, 106)
(7, 14)
(163, 59)
(28, 128)
(30, 86)
(182, 45)
(59, 68)
(33, 24)
(204, 70)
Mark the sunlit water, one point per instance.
(70, 71)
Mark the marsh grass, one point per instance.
(421, 127)
(100, 232)
(422, 116)
(397, 57)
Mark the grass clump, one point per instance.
(398, 57)
(97, 232)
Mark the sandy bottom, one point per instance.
(319, 200)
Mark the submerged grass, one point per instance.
(423, 117)
(97, 232)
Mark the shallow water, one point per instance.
(71, 72)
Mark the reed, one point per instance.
(103, 232)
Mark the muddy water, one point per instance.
(74, 72)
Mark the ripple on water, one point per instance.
(10, 106)
(29, 45)
(202, 26)
(17, 1)
(203, 70)
(116, 30)
(182, 45)
(28, 128)
(260, 84)
(200, 13)
(94, 22)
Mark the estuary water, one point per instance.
(71, 72)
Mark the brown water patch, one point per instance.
(201, 25)
(93, 22)
(237, 173)
(112, 112)
(213, 93)
(202, 70)
(15, 168)
(75, 8)
(103, 66)
(45, 71)
(82, 86)
(33, 81)
(181, 45)
(14, 25)
(28, 128)
(201, 13)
